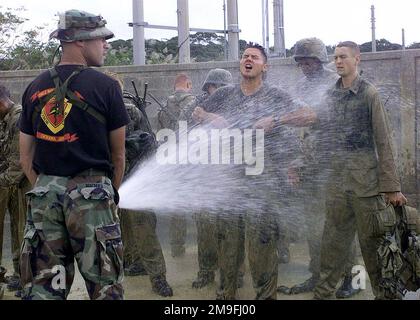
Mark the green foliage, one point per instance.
(120, 53)
(22, 50)
(381, 45)
(415, 45)
(30, 53)
(9, 23)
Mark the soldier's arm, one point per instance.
(13, 173)
(302, 117)
(187, 110)
(388, 177)
(117, 143)
(27, 152)
(215, 120)
(298, 113)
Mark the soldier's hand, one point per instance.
(217, 121)
(266, 123)
(293, 177)
(395, 198)
(302, 117)
(199, 115)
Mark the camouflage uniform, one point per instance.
(211, 229)
(178, 107)
(13, 183)
(362, 167)
(260, 216)
(72, 215)
(312, 89)
(141, 244)
(83, 208)
(313, 174)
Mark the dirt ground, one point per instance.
(182, 271)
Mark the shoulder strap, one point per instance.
(61, 91)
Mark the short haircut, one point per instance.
(259, 47)
(350, 44)
(4, 93)
(181, 79)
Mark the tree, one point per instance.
(120, 53)
(415, 45)
(22, 50)
(381, 45)
(9, 23)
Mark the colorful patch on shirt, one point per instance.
(53, 117)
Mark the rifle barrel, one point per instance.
(145, 91)
(135, 88)
(156, 100)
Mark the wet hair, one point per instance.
(259, 47)
(4, 93)
(349, 44)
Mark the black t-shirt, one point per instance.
(69, 144)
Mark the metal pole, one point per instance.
(281, 27)
(233, 29)
(139, 50)
(267, 28)
(183, 32)
(279, 45)
(263, 22)
(372, 19)
(403, 38)
(225, 46)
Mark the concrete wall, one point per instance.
(395, 73)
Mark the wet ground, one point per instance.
(182, 271)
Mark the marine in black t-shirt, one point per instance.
(69, 144)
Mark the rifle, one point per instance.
(139, 102)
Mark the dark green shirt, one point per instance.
(359, 141)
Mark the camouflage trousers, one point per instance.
(72, 219)
(314, 208)
(178, 234)
(13, 199)
(206, 242)
(141, 243)
(258, 234)
(346, 214)
(230, 252)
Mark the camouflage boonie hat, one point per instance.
(75, 25)
(311, 48)
(218, 77)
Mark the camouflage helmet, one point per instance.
(217, 77)
(75, 25)
(311, 48)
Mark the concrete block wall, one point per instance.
(395, 73)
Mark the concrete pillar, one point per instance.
(233, 29)
(183, 32)
(403, 38)
(139, 50)
(279, 42)
(372, 19)
(265, 26)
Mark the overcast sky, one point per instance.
(330, 20)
